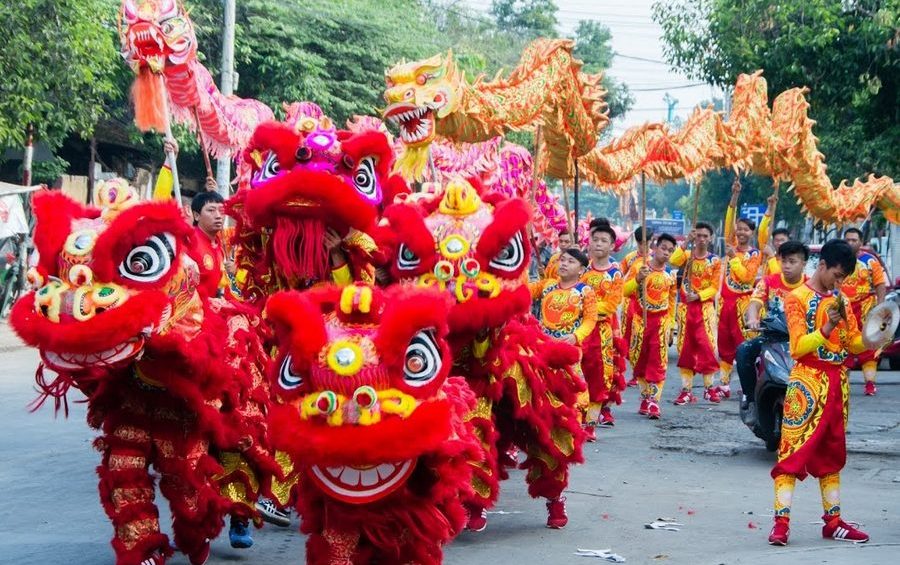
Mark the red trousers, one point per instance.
(697, 337)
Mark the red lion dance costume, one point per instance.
(477, 251)
(369, 416)
(168, 377)
(309, 177)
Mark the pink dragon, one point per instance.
(159, 43)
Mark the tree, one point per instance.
(331, 53)
(59, 68)
(593, 47)
(846, 52)
(526, 18)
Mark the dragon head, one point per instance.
(308, 177)
(156, 32)
(473, 246)
(107, 280)
(362, 383)
(420, 93)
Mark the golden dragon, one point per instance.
(432, 97)
(777, 142)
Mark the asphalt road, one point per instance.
(698, 465)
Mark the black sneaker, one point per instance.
(272, 514)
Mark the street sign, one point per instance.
(753, 212)
(677, 215)
(669, 226)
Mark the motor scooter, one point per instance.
(773, 366)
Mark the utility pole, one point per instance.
(226, 86)
(671, 102)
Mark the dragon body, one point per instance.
(777, 142)
(431, 98)
(173, 380)
(159, 44)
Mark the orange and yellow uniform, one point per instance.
(740, 276)
(633, 260)
(772, 266)
(603, 360)
(816, 403)
(551, 271)
(859, 288)
(567, 311)
(648, 348)
(697, 319)
(771, 291)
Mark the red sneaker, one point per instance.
(633, 382)
(642, 410)
(780, 531)
(684, 398)
(556, 513)
(607, 420)
(870, 389)
(712, 395)
(837, 529)
(590, 434)
(477, 518)
(156, 558)
(653, 411)
(724, 391)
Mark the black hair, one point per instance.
(666, 237)
(748, 222)
(602, 225)
(856, 231)
(204, 198)
(563, 232)
(781, 231)
(705, 226)
(793, 247)
(639, 234)
(838, 253)
(578, 255)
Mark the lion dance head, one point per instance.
(365, 407)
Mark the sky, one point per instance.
(634, 34)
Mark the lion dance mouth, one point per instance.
(362, 484)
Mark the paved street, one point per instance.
(698, 465)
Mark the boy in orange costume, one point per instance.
(568, 309)
(603, 360)
(740, 276)
(551, 271)
(865, 288)
(648, 348)
(635, 259)
(823, 330)
(697, 314)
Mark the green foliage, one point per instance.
(331, 52)
(59, 68)
(845, 52)
(46, 172)
(593, 46)
(529, 19)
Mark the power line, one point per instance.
(644, 59)
(679, 87)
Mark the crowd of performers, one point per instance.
(363, 426)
